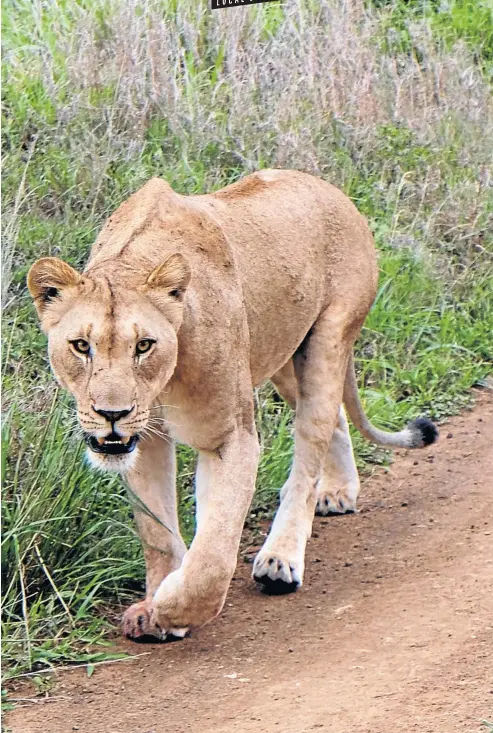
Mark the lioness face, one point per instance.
(113, 348)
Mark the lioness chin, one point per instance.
(186, 305)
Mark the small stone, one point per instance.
(450, 435)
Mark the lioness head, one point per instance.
(114, 347)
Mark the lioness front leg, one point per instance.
(195, 593)
(152, 481)
(320, 366)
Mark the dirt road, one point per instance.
(391, 633)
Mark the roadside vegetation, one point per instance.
(391, 101)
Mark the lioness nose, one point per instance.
(113, 415)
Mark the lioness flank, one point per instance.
(186, 304)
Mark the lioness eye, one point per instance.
(81, 346)
(143, 346)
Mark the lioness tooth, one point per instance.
(125, 441)
(100, 441)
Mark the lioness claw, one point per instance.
(334, 503)
(277, 575)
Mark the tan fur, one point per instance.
(271, 277)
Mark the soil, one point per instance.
(392, 632)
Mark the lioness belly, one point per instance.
(276, 333)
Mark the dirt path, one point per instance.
(392, 632)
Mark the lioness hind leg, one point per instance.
(286, 383)
(320, 366)
(338, 487)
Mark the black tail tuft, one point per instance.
(424, 430)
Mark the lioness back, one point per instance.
(292, 243)
(299, 243)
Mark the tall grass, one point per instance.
(390, 101)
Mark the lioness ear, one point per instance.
(47, 278)
(172, 275)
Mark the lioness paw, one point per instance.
(136, 621)
(163, 628)
(278, 574)
(334, 502)
(179, 605)
(168, 633)
(138, 624)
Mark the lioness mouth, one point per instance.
(112, 444)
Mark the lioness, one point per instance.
(186, 304)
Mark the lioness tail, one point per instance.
(417, 434)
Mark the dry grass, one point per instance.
(307, 85)
(271, 83)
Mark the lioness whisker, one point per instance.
(160, 420)
(158, 433)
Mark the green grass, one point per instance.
(84, 127)
(449, 21)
